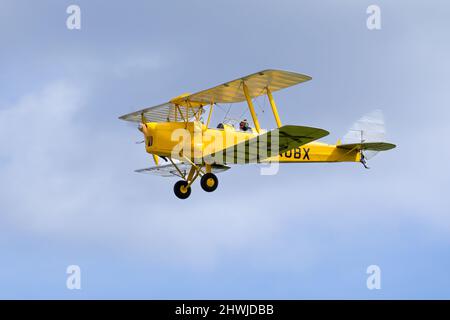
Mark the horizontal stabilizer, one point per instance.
(372, 146)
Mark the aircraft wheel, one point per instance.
(209, 182)
(181, 189)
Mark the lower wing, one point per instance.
(267, 145)
(169, 170)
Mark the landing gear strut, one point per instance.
(208, 181)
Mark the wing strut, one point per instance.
(251, 108)
(274, 107)
(209, 115)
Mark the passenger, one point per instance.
(243, 125)
(220, 126)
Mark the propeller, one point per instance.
(143, 128)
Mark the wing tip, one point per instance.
(304, 76)
(294, 127)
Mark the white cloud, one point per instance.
(137, 63)
(39, 141)
(67, 181)
(70, 181)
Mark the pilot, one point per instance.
(243, 125)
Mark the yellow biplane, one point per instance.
(175, 131)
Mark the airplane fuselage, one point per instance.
(168, 139)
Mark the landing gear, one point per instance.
(209, 182)
(182, 189)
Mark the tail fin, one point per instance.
(369, 134)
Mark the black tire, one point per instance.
(178, 189)
(209, 182)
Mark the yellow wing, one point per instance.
(166, 112)
(232, 91)
(169, 170)
(266, 145)
(187, 105)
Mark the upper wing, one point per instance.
(372, 146)
(267, 145)
(169, 170)
(229, 92)
(256, 83)
(165, 112)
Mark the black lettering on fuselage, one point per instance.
(306, 154)
(297, 153)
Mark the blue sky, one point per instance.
(69, 194)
